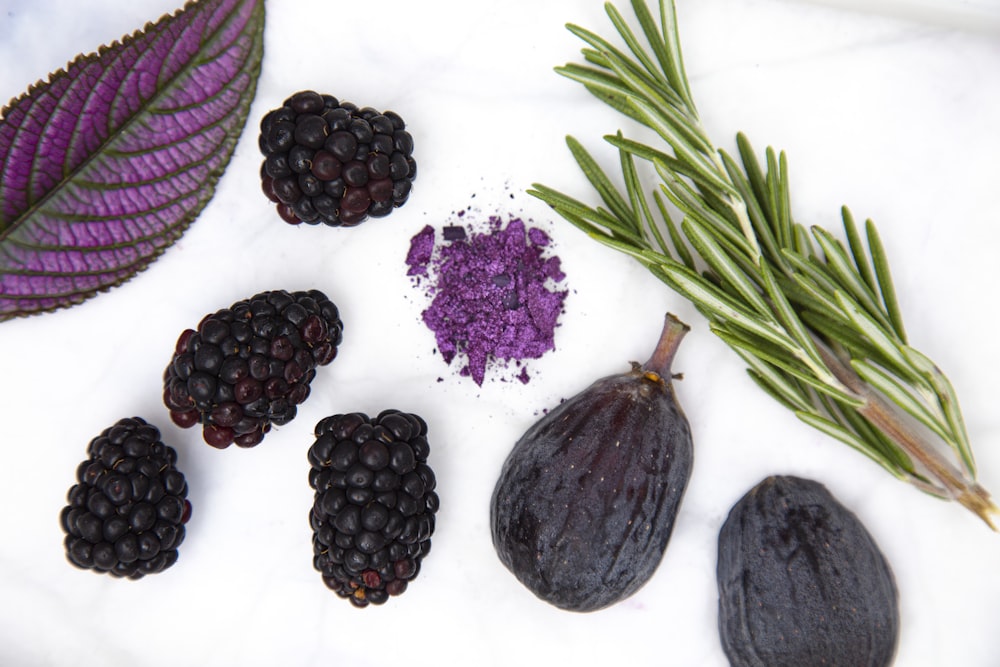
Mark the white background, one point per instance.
(893, 113)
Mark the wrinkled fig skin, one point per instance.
(586, 501)
(802, 583)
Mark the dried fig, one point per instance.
(802, 582)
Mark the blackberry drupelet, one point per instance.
(249, 366)
(374, 507)
(331, 162)
(127, 511)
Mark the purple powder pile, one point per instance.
(493, 293)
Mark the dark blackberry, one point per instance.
(316, 147)
(249, 366)
(127, 511)
(374, 506)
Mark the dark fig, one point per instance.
(586, 501)
(802, 582)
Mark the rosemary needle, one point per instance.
(816, 320)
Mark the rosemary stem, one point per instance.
(820, 323)
(970, 494)
(883, 416)
(746, 226)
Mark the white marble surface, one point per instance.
(892, 110)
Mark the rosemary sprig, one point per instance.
(816, 320)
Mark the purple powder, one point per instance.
(493, 295)
(421, 252)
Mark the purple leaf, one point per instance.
(106, 164)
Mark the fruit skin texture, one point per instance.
(802, 582)
(249, 366)
(127, 511)
(374, 507)
(586, 500)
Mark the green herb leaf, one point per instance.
(816, 321)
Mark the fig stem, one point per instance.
(670, 339)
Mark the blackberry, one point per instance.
(374, 507)
(331, 162)
(249, 366)
(127, 511)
